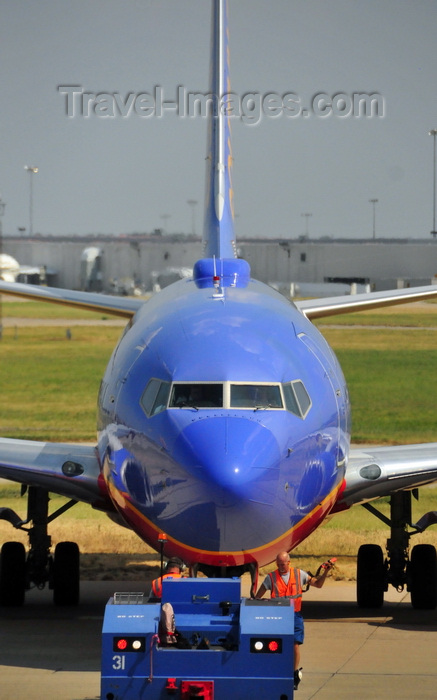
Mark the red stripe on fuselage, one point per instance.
(263, 555)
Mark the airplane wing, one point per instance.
(118, 306)
(72, 470)
(332, 306)
(380, 471)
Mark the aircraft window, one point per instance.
(302, 397)
(296, 398)
(197, 396)
(155, 397)
(160, 403)
(290, 400)
(255, 396)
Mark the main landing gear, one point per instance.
(19, 573)
(418, 573)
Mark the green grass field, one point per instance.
(49, 389)
(49, 384)
(39, 309)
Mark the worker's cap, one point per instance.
(175, 561)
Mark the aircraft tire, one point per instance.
(12, 574)
(423, 582)
(66, 574)
(370, 576)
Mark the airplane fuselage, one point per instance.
(256, 460)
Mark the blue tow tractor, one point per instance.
(218, 645)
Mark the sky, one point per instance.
(306, 149)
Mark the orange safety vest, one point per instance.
(291, 590)
(157, 584)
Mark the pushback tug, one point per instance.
(226, 647)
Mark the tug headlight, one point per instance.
(266, 645)
(129, 644)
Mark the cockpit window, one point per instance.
(197, 396)
(302, 397)
(155, 397)
(160, 395)
(296, 398)
(255, 396)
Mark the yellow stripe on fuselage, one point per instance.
(122, 501)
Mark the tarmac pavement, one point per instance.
(352, 653)
(49, 653)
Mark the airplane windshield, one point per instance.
(255, 396)
(160, 395)
(196, 396)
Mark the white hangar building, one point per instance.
(378, 264)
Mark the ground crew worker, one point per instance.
(173, 569)
(288, 582)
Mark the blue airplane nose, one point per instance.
(238, 454)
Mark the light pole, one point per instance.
(2, 211)
(307, 216)
(374, 202)
(32, 170)
(433, 133)
(165, 218)
(192, 203)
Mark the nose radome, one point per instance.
(233, 452)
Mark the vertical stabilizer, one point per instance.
(218, 233)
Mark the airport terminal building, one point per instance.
(112, 263)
